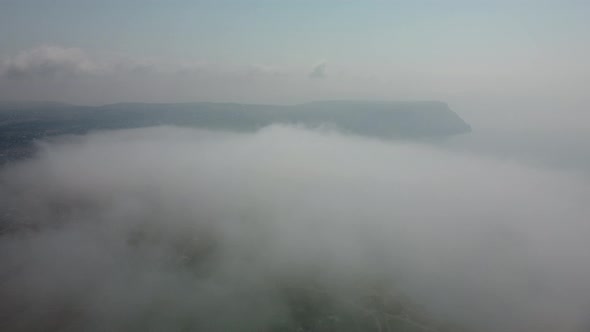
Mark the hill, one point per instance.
(22, 123)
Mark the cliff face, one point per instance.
(385, 119)
(20, 124)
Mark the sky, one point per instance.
(473, 54)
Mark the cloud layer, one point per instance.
(50, 61)
(162, 227)
(75, 75)
(54, 62)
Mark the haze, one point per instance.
(130, 212)
(508, 57)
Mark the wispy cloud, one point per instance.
(82, 76)
(50, 61)
(319, 71)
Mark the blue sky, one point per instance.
(266, 50)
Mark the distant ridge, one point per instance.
(23, 122)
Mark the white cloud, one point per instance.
(165, 226)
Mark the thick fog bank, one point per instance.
(178, 229)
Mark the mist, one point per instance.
(172, 229)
